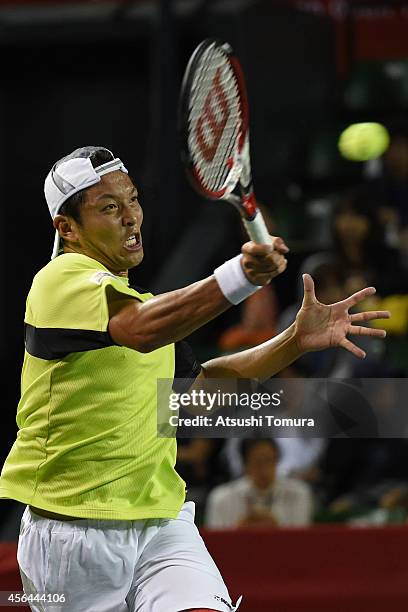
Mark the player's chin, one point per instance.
(133, 257)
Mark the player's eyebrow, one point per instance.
(113, 196)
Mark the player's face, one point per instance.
(111, 218)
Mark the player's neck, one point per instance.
(121, 273)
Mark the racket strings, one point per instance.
(214, 118)
(218, 132)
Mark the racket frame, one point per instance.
(240, 173)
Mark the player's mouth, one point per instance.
(134, 242)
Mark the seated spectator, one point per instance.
(360, 247)
(260, 498)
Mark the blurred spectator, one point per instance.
(359, 245)
(260, 498)
(298, 457)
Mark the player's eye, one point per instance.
(110, 206)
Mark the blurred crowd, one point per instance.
(295, 481)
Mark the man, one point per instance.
(105, 523)
(260, 498)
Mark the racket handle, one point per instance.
(257, 230)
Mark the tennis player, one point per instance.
(106, 527)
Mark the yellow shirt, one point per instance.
(87, 443)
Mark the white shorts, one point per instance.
(157, 565)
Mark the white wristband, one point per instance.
(233, 282)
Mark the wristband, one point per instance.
(233, 282)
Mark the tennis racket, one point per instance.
(214, 127)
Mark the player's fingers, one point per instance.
(262, 250)
(281, 268)
(357, 330)
(279, 244)
(273, 271)
(260, 277)
(370, 315)
(309, 296)
(352, 348)
(266, 269)
(267, 265)
(264, 279)
(358, 296)
(257, 250)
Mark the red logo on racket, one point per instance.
(216, 96)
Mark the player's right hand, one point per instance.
(262, 262)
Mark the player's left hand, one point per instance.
(320, 326)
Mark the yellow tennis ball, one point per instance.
(363, 141)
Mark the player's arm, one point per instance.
(317, 327)
(172, 316)
(261, 362)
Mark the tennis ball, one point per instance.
(363, 141)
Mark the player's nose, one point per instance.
(132, 216)
(129, 221)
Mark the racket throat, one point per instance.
(245, 204)
(249, 206)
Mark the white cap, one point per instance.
(71, 174)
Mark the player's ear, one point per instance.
(67, 228)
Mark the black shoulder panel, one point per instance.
(56, 343)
